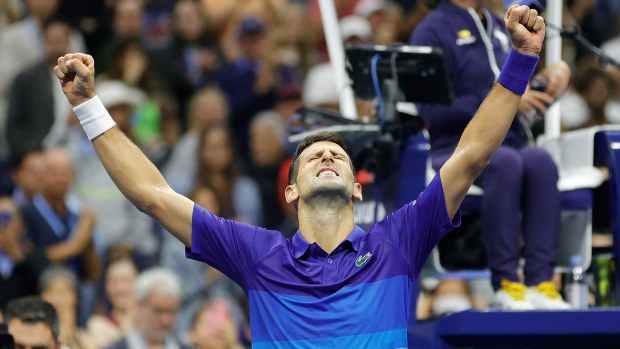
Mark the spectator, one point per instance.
(9, 12)
(126, 25)
(597, 21)
(292, 39)
(130, 228)
(519, 178)
(267, 132)
(26, 173)
(214, 327)
(250, 81)
(131, 64)
(355, 30)
(207, 107)
(593, 101)
(59, 286)
(238, 195)
(20, 266)
(343, 8)
(217, 14)
(385, 18)
(320, 89)
(194, 56)
(158, 293)
(54, 222)
(37, 116)
(33, 323)
(21, 46)
(288, 101)
(156, 33)
(120, 278)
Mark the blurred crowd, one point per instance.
(206, 88)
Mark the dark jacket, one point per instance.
(470, 69)
(31, 109)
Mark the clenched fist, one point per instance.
(526, 29)
(76, 72)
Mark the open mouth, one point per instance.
(327, 172)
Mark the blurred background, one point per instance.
(207, 89)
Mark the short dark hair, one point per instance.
(32, 310)
(308, 141)
(56, 19)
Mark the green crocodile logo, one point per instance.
(362, 259)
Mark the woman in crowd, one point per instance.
(59, 286)
(238, 196)
(105, 329)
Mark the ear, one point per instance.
(357, 191)
(291, 194)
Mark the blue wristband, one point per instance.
(517, 71)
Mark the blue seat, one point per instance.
(574, 154)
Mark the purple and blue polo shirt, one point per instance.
(357, 296)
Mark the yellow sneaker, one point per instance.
(545, 296)
(511, 296)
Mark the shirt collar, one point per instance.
(301, 245)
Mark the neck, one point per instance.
(57, 204)
(325, 225)
(475, 4)
(152, 343)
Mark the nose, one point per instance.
(327, 156)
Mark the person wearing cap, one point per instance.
(520, 178)
(250, 82)
(320, 89)
(332, 284)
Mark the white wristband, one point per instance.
(94, 117)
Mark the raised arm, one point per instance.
(136, 177)
(486, 131)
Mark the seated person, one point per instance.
(519, 178)
(158, 296)
(20, 264)
(59, 286)
(33, 323)
(214, 327)
(55, 223)
(120, 277)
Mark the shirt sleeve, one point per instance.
(417, 227)
(229, 246)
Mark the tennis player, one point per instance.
(331, 285)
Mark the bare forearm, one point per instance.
(61, 252)
(136, 177)
(142, 183)
(486, 131)
(132, 172)
(481, 138)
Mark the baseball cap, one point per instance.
(251, 25)
(367, 7)
(355, 26)
(114, 93)
(320, 86)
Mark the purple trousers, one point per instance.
(519, 183)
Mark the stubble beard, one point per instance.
(330, 196)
